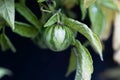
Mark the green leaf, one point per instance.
(7, 11)
(84, 62)
(25, 30)
(69, 3)
(2, 23)
(52, 20)
(22, 1)
(4, 72)
(6, 43)
(28, 15)
(88, 3)
(40, 1)
(86, 31)
(72, 63)
(97, 19)
(84, 4)
(108, 25)
(110, 4)
(83, 9)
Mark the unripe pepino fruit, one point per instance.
(58, 37)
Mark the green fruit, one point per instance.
(58, 37)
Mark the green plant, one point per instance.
(54, 22)
(4, 72)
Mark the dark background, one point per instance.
(32, 63)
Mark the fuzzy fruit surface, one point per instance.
(58, 37)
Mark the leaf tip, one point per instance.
(13, 50)
(13, 28)
(101, 57)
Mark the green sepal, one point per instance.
(53, 19)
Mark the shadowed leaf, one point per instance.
(25, 30)
(72, 63)
(6, 43)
